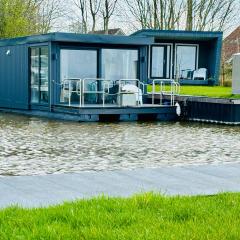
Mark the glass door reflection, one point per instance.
(77, 64)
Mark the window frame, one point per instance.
(99, 56)
(196, 56)
(73, 48)
(114, 48)
(38, 46)
(170, 61)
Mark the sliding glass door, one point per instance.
(76, 64)
(39, 75)
(186, 60)
(160, 62)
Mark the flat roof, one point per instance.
(141, 37)
(178, 34)
(78, 38)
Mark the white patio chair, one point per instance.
(200, 74)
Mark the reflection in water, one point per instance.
(31, 146)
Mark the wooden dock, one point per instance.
(41, 191)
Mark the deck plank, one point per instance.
(41, 191)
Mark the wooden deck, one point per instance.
(38, 191)
(113, 112)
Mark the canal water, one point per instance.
(31, 146)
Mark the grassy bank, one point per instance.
(216, 91)
(208, 91)
(146, 216)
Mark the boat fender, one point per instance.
(178, 109)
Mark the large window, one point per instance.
(186, 60)
(75, 64)
(78, 64)
(160, 61)
(119, 64)
(39, 74)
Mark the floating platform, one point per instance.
(94, 113)
(205, 109)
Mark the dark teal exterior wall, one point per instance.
(55, 61)
(210, 47)
(209, 57)
(208, 60)
(14, 77)
(14, 62)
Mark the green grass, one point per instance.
(208, 91)
(145, 216)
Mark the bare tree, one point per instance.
(48, 12)
(142, 12)
(212, 14)
(107, 11)
(156, 14)
(173, 15)
(83, 7)
(185, 14)
(189, 23)
(94, 6)
(225, 15)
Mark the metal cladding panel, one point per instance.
(14, 77)
(236, 74)
(218, 57)
(209, 57)
(143, 64)
(210, 111)
(210, 47)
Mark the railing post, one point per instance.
(153, 93)
(80, 93)
(69, 94)
(162, 86)
(83, 91)
(119, 93)
(174, 89)
(103, 94)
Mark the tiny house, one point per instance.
(93, 76)
(181, 54)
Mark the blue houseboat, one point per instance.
(104, 77)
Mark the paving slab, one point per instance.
(42, 191)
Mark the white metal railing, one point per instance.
(172, 91)
(68, 88)
(102, 86)
(96, 88)
(139, 92)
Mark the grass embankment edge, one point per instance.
(205, 91)
(145, 216)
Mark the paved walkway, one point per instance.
(36, 191)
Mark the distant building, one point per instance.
(114, 31)
(231, 45)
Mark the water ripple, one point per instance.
(30, 146)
